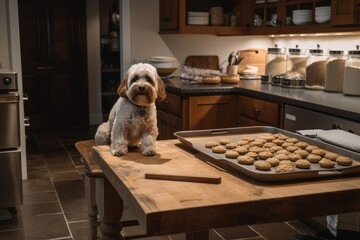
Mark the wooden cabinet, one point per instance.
(173, 17)
(195, 113)
(345, 12)
(253, 112)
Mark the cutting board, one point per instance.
(203, 61)
(253, 57)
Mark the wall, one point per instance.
(4, 44)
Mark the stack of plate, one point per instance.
(301, 17)
(164, 65)
(322, 14)
(198, 18)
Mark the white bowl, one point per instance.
(198, 20)
(322, 20)
(300, 21)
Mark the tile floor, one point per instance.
(54, 206)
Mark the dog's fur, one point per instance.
(132, 120)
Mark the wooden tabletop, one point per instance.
(167, 207)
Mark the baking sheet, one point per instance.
(197, 139)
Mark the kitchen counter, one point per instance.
(336, 104)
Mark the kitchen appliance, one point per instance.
(10, 153)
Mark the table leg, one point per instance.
(201, 235)
(90, 192)
(110, 226)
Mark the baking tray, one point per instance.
(197, 139)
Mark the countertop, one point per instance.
(336, 104)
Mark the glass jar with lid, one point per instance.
(352, 73)
(334, 75)
(275, 63)
(295, 68)
(315, 69)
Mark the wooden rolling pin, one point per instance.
(200, 179)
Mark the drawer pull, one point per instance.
(256, 111)
(166, 101)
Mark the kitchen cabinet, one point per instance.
(178, 113)
(173, 16)
(258, 112)
(345, 12)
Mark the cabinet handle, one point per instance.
(44, 68)
(257, 111)
(166, 101)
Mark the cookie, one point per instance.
(283, 151)
(292, 148)
(303, 164)
(309, 148)
(262, 165)
(282, 137)
(242, 142)
(292, 140)
(231, 154)
(265, 155)
(224, 141)
(326, 163)
(331, 156)
(319, 152)
(249, 139)
(269, 145)
(284, 168)
(231, 145)
(273, 161)
(256, 149)
(313, 158)
(260, 140)
(252, 154)
(303, 153)
(287, 144)
(256, 144)
(294, 157)
(246, 160)
(278, 142)
(268, 138)
(301, 145)
(344, 161)
(241, 150)
(211, 144)
(282, 157)
(275, 148)
(218, 149)
(287, 162)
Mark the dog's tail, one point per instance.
(102, 136)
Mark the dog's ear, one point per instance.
(123, 85)
(161, 94)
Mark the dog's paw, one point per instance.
(120, 151)
(149, 152)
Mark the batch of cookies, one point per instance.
(278, 151)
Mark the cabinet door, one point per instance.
(167, 124)
(345, 12)
(169, 15)
(209, 112)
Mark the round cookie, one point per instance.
(326, 163)
(282, 157)
(313, 158)
(284, 168)
(218, 149)
(309, 148)
(268, 138)
(276, 148)
(249, 139)
(273, 161)
(344, 161)
(303, 153)
(331, 156)
(246, 160)
(265, 155)
(231, 145)
(287, 144)
(231, 154)
(319, 152)
(260, 140)
(256, 144)
(292, 148)
(224, 141)
(288, 162)
(242, 142)
(294, 157)
(282, 137)
(262, 165)
(256, 149)
(241, 150)
(301, 145)
(269, 144)
(292, 140)
(303, 164)
(211, 144)
(283, 151)
(252, 154)
(278, 142)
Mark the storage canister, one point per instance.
(352, 73)
(315, 69)
(275, 63)
(334, 75)
(295, 68)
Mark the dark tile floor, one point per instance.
(54, 205)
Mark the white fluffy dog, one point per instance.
(132, 120)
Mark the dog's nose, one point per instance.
(141, 88)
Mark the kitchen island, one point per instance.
(167, 207)
(336, 104)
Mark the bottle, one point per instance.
(315, 69)
(352, 73)
(334, 75)
(275, 64)
(295, 68)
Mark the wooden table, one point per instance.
(168, 207)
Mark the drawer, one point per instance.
(259, 110)
(171, 104)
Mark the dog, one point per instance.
(132, 120)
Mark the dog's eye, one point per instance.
(149, 80)
(134, 79)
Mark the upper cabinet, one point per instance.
(259, 17)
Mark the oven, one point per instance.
(10, 153)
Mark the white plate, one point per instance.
(161, 59)
(300, 22)
(322, 20)
(198, 14)
(198, 20)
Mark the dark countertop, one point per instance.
(336, 104)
